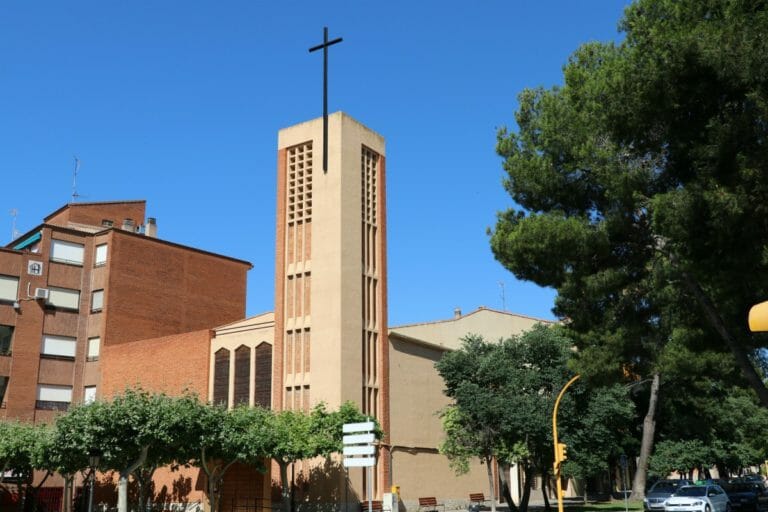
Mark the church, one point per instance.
(327, 340)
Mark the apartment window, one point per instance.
(6, 335)
(94, 344)
(64, 298)
(89, 394)
(58, 346)
(3, 387)
(51, 397)
(9, 288)
(67, 252)
(101, 255)
(97, 300)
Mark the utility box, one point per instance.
(390, 502)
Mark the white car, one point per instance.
(698, 498)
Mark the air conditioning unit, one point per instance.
(42, 293)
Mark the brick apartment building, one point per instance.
(93, 276)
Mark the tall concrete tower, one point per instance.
(331, 275)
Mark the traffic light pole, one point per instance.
(559, 447)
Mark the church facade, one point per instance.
(327, 339)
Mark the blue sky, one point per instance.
(179, 103)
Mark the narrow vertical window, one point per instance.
(101, 255)
(89, 394)
(242, 375)
(97, 300)
(3, 387)
(6, 336)
(221, 377)
(263, 375)
(94, 346)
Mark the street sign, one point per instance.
(359, 450)
(360, 462)
(366, 426)
(359, 439)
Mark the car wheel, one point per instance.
(727, 507)
(707, 508)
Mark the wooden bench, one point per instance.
(377, 505)
(430, 504)
(477, 498)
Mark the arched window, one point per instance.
(263, 375)
(242, 375)
(221, 377)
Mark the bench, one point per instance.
(430, 504)
(477, 498)
(377, 505)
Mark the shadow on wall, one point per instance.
(105, 493)
(321, 488)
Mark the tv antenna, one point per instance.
(503, 297)
(14, 233)
(75, 195)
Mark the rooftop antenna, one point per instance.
(503, 297)
(14, 234)
(75, 195)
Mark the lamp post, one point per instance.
(94, 458)
(560, 454)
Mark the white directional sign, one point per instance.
(359, 439)
(366, 426)
(359, 451)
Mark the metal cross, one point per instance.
(324, 47)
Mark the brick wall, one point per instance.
(157, 288)
(169, 364)
(94, 213)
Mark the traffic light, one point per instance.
(561, 452)
(758, 317)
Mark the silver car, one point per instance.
(698, 498)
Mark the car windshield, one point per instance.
(692, 490)
(665, 487)
(742, 487)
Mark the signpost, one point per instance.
(359, 451)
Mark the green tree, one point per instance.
(23, 449)
(220, 438)
(640, 190)
(298, 436)
(600, 431)
(502, 399)
(680, 456)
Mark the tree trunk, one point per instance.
(122, 486)
(545, 486)
(586, 484)
(717, 323)
(285, 492)
(68, 481)
(530, 474)
(646, 444)
(505, 490)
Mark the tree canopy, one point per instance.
(640, 183)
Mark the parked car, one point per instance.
(746, 494)
(659, 492)
(698, 498)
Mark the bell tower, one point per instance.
(331, 274)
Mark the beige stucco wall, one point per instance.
(491, 324)
(416, 397)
